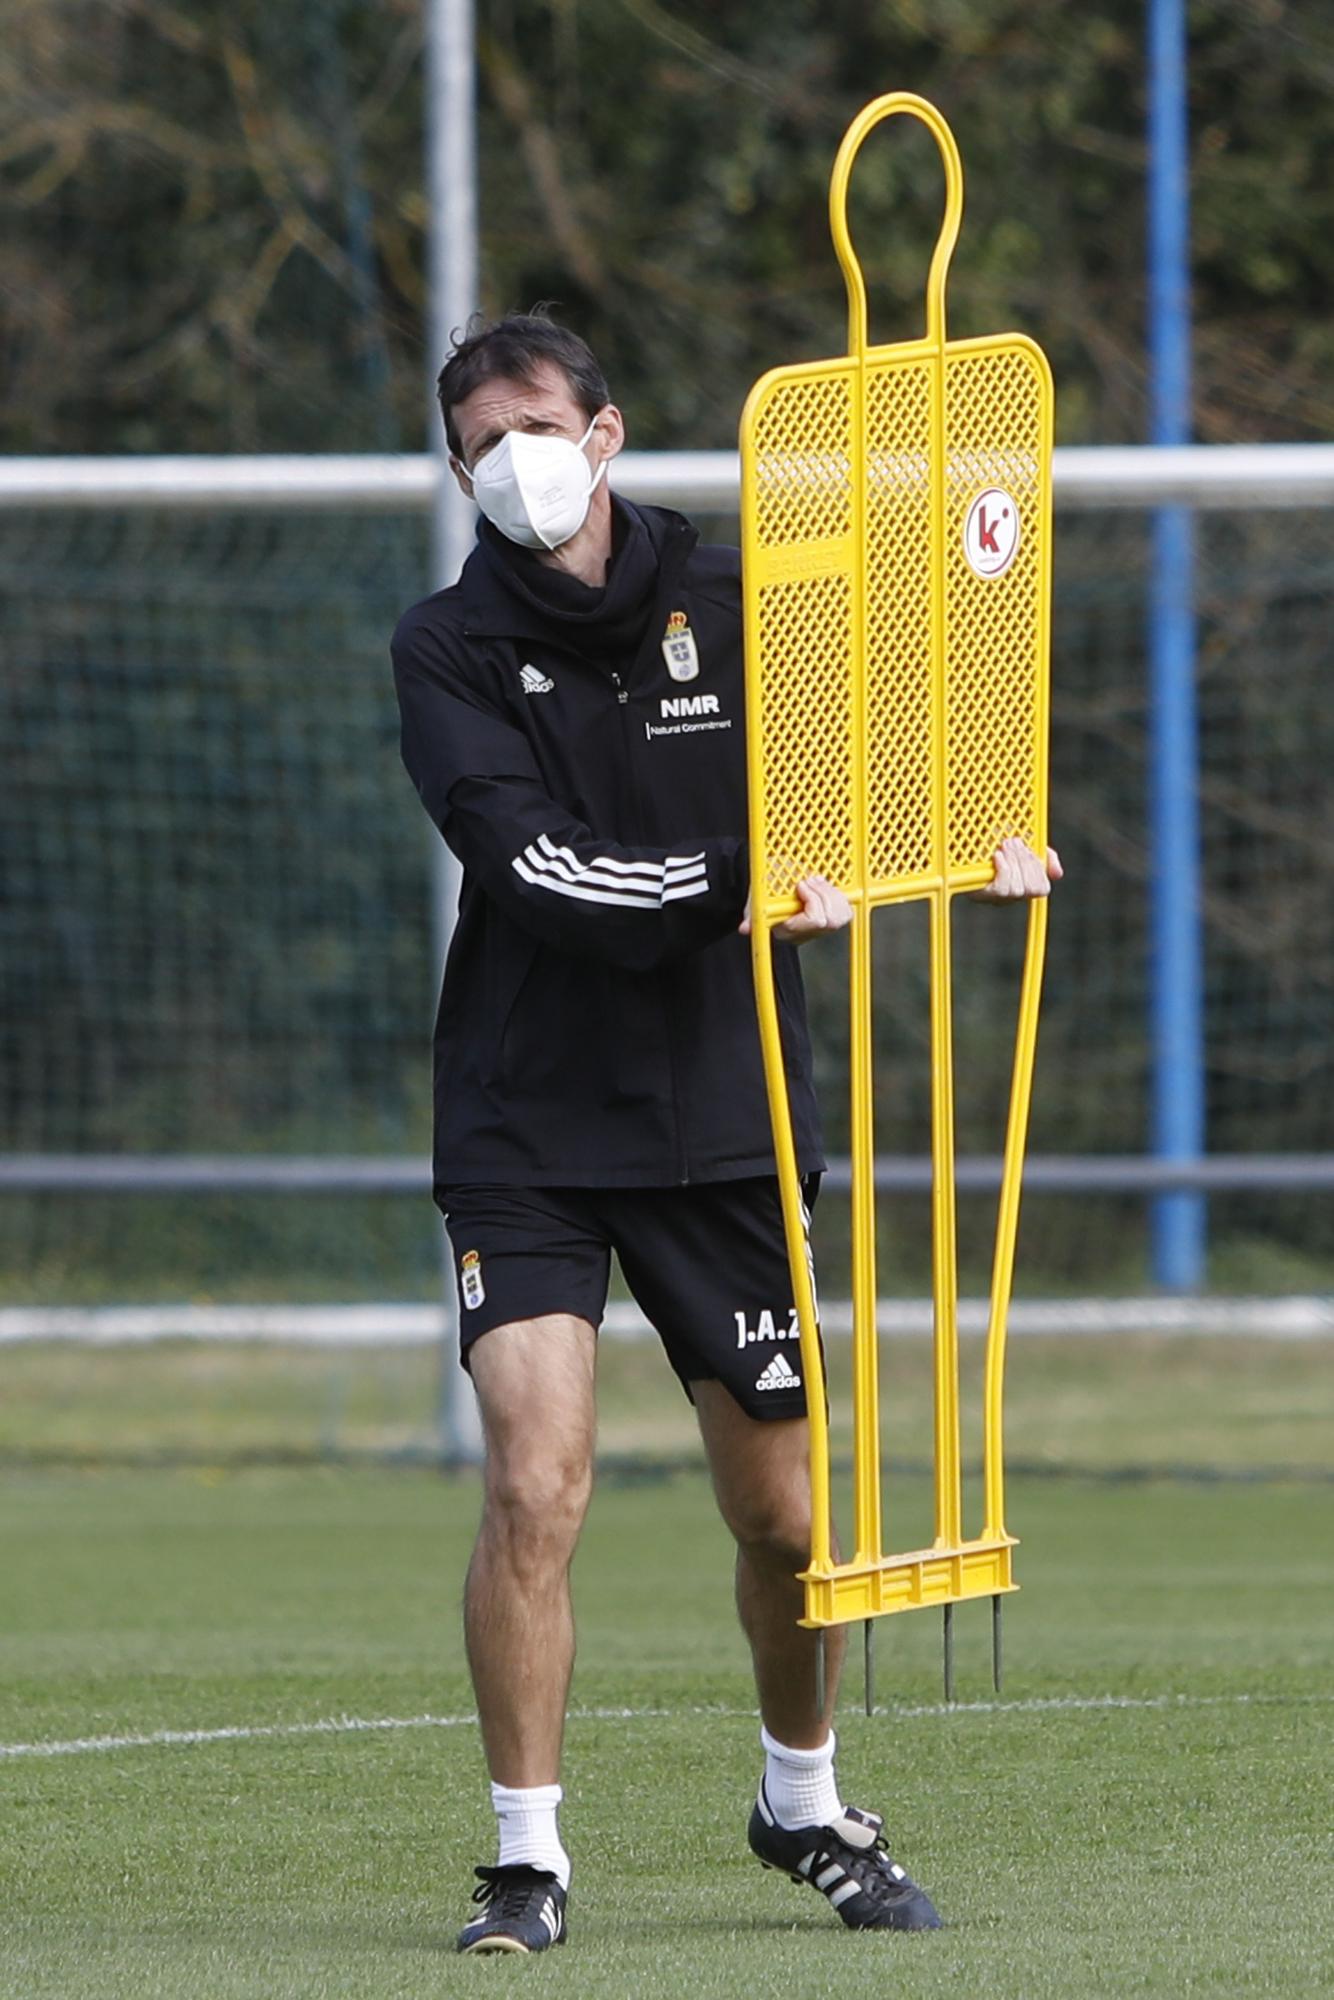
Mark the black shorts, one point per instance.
(706, 1264)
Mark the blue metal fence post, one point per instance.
(1176, 955)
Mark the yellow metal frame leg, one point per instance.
(794, 1228)
(944, 1248)
(1007, 1225)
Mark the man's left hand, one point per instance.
(1020, 877)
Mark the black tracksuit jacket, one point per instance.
(597, 1022)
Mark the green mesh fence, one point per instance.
(216, 909)
(215, 930)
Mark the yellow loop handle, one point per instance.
(888, 107)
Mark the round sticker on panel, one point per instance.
(991, 532)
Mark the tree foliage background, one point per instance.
(214, 217)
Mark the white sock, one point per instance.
(800, 1784)
(526, 1817)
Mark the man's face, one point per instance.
(544, 407)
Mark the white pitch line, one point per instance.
(330, 1725)
(334, 1725)
(1038, 1704)
(354, 1725)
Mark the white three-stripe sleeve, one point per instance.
(604, 878)
(637, 906)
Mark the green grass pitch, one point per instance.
(1146, 1812)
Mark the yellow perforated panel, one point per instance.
(803, 456)
(802, 500)
(899, 804)
(809, 793)
(995, 625)
(897, 647)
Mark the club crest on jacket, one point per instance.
(679, 649)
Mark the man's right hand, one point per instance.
(824, 908)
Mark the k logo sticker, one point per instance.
(991, 532)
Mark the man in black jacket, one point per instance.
(572, 717)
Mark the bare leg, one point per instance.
(760, 1477)
(534, 1382)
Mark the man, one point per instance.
(599, 1084)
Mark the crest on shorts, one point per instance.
(470, 1279)
(679, 649)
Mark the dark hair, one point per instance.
(515, 346)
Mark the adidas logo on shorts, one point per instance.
(780, 1374)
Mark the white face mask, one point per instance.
(536, 490)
